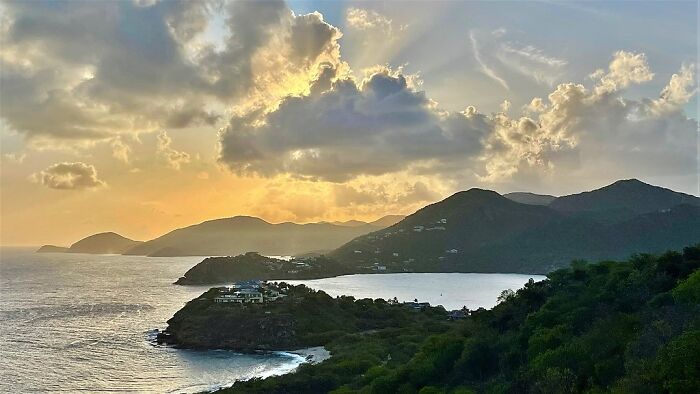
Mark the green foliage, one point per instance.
(624, 327)
(689, 290)
(678, 364)
(303, 318)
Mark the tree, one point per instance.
(506, 295)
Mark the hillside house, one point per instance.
(417, 306)
(249, 292)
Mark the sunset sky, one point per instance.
(143, 116)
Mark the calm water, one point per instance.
(75, 322)
(452, 290)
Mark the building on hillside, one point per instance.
(417, 306)
(249, 292)
(458, 314)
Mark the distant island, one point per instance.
(102, 243)
(481, 231)
(629, 327)
(253, 315)
(232, 236)
(52, 249)
(251, 265)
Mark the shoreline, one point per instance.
(287, 280)
(312, 355)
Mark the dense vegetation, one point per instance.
(482, 231)
(626, 327)
(252, 265)
(304, 318)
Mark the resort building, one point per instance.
(249, 292)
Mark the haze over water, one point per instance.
(77, 322)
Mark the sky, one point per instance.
(144, 116)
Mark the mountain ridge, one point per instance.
(219, 237)
(482, 231)
(530, 198)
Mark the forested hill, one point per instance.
(630, 196)
(625, 327)
(481, 231)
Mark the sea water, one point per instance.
(79, 322)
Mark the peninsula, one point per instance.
(254, 316)
(629, 326)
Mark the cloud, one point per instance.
(78, 72)
(371, 21)
(625, 69)
(680, 89)
(378, 194)
(120, 150)
(383, 124)
(371, 127)
(502, 58)
(373, 38)
(173, 157)
(485, 68)
(69, 176)
(15, 157)
(597, 132)
(531, 62)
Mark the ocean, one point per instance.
(78, 322)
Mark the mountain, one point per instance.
(530, 198)
(463, 222)
(350, 223)
(103, 243)
(388, 220)
(624, 198)
(384, 221)
(241, 234)
(482, 231)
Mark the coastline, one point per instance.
(312, 355)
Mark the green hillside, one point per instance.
(482, 231)
(623, 327)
